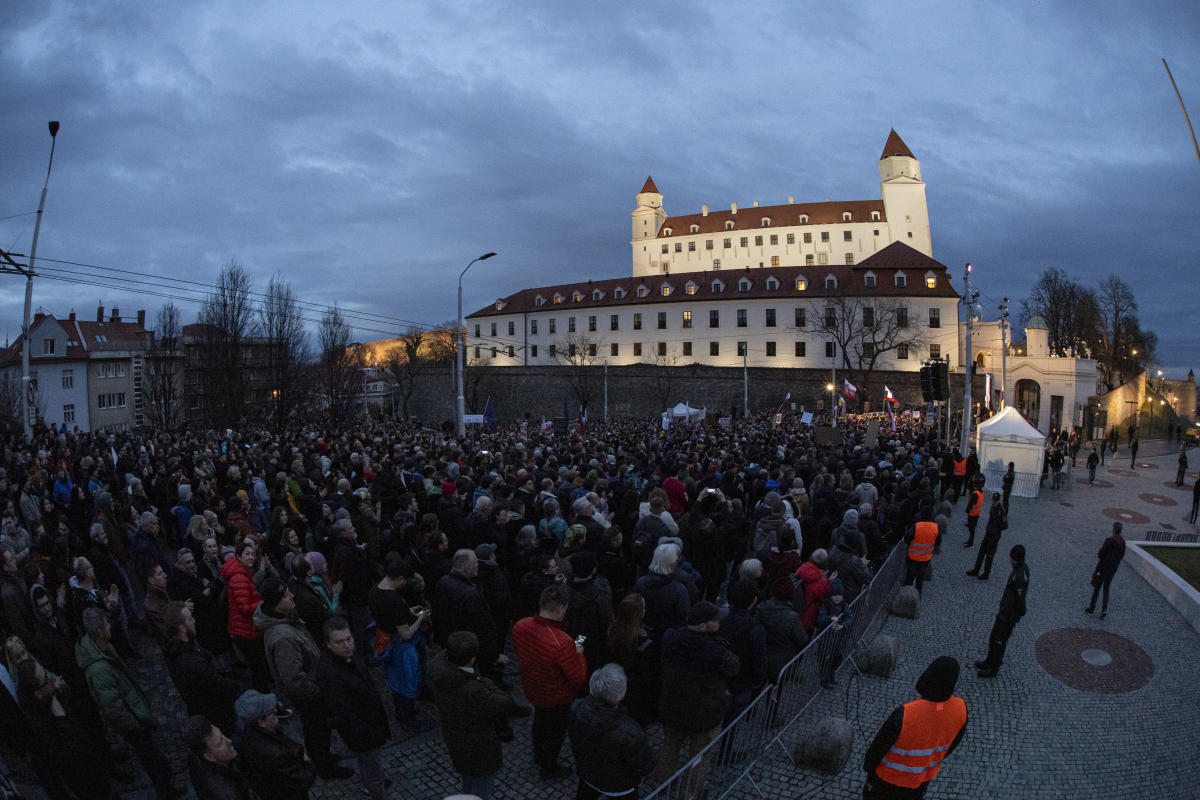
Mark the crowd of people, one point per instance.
(389, 578)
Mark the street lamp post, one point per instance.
(37, 227)
(461, 342)
(832, 405)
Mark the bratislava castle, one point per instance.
(809, 234)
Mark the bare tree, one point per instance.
(662, 374)
(1069, 310)
(228, 319)
(164, 368)
(282, 325)
(578, 354)
(1122, 348)
(341, 361)
(865, 329)
(407, 361)
(12, 404)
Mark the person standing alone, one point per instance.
(1012, 608)
(1110, 555)
(996, 524)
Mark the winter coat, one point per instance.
(122, 704)
(353, 700)
(459, 606)
(748, 640)
(1110, 555)
(850, 569)
(766, 532)
(610, 748)
(667, 602)
(204, 689)
(292, 655)
(470, 707)
(696, 669)
(276, 764)
(310, 607)
(590, 613)
(815, 586)
(217, 782)
(851, 539)
(493, 585)
(243, 597)
(552, 671)
(785, 636)
(352, 567)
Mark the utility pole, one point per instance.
(606, 388)
(30, 408)
(745, 383)
(968, 301)
(833, 384)
(1003, 354)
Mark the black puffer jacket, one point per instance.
(204, 689)
(354, 703)
(696, 670)
(610, 748)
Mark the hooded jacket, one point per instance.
(815, 586)
(292, 655)
(696, 670)
(610, 748)
(122, 704)
(243, 598)
(667, 602)
(470, 707)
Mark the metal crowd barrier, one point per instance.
(1026, 484)
(722, 766)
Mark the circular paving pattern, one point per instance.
(1171, 485)
(1123, 473)
(1126, 515)
(1097, 482)
(1092, 660)
(1157, 500)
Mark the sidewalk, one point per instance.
(1130, 731)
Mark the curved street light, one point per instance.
(37, 227)
(460, 341)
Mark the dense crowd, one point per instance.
(626, 575)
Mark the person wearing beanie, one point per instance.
(835, 616)
(591, 609)
(292, 656)
(1012, 608)
(696, 669)
(908, 751)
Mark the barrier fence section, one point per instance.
(726, 762)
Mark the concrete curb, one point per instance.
(1175, 590)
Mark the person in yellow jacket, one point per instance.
(917, 737)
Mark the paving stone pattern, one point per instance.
(1030, 734)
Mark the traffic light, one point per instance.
(927, 384)
(941, 381)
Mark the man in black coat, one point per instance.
(356, 709)
(186, 582)
(996, 524)
(212, 763)
(275, 761)
(1012, 608)
(205, 690)
(696, 670)
(352, 567)
(493, 585)
(1109, 559)
(611, 752)
(458, 605)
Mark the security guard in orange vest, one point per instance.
(909, 749)
(921, 539)
(974, 509)
(960, 474)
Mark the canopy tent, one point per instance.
(1008, 437)
(685, 412)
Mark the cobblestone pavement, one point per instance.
(1030, 735)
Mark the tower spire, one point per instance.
(895, 146)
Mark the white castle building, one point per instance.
(776, 286)
(810, 234)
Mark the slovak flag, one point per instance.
(582, 421)
(848, 388)
(789, 397)
(888, 396)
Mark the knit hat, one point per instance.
(936, 683)
(574, 536)
(316, 561)
(850, 517)
(449, 488)
(485, 551)
(253, 706)
(272, 592)
(701, 613)
(836, 588)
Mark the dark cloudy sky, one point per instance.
(368, 151)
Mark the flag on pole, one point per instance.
(489, 413)
(892, 416)
(841, 403)
(788, 397)
(582, 421)
(848, 388)
(888, 396)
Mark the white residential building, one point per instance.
(809, 234)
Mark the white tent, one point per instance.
(685, 412)
(1008, 437)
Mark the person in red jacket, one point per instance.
(815, 585)
(553, 674)
(243, 597)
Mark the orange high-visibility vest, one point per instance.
(921, 547)
(975, 507)
(926, 734)
(960, 468)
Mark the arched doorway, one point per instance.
(1028, 400)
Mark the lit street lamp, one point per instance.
(832, 406)
(37, 227)
(461, 342)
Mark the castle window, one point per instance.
(665, 289)
(717, 287)
(687, 348)
(847, 236)
(679, 247)
(804, 219)
(597, 295)
(849, 258)
(770, 349)
(868, 317)
(570, 324)
(476, 330)
(716, 263)
(553, 351)
(512, 351)
(869, 280)
(539, 300)
(930, 280)
(576, 297)
(708, 244)
(694, 228)
(901, 280)
(824, 236)
(662, 348)
(533, 350)
(614, 322)
(558, 298)
(902, 316)
(875, 232)
(476, 353)
(772, 284)
(728, 224)
(592, 349)
(758, 241)
(744, 241)
(665, 249)
(619, 293)
(642, 291)
(499, 305)
(935, 318)
(662, 320)
(774, 261)
(791, 238)
(637, 349)
(875, 218)
(766, 222)
(830, 282)
(512, 328)
(691, 247)
(800, 350)
(770, 318)
(637, 322)
(808, 260)
(808, 238)
(533, 326)
(714, 348)
(687, 319)
(592, 323)
(744, 285)
(667, 231)
(802, 283)
(493, 329)
(801, 317)
(846, 216)
(690, 288)
(614, 349)
(727, 243)
(741, 318)
(774, 238)
(714, 318)
(902, 351)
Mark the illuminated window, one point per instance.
(690, 288)
(802, 283)
(687, 319)
(930, 282)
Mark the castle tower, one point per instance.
(903, 194)
(648, 217)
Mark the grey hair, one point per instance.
(185, 492)
(97, 528)
(93, 620)
(666, 558)
(550, 507)
(482, 502)
(583, 507)
(80, 567)
(608, 684)
(462, 558)
(750, 568)
(341, 526)
(146, 518)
